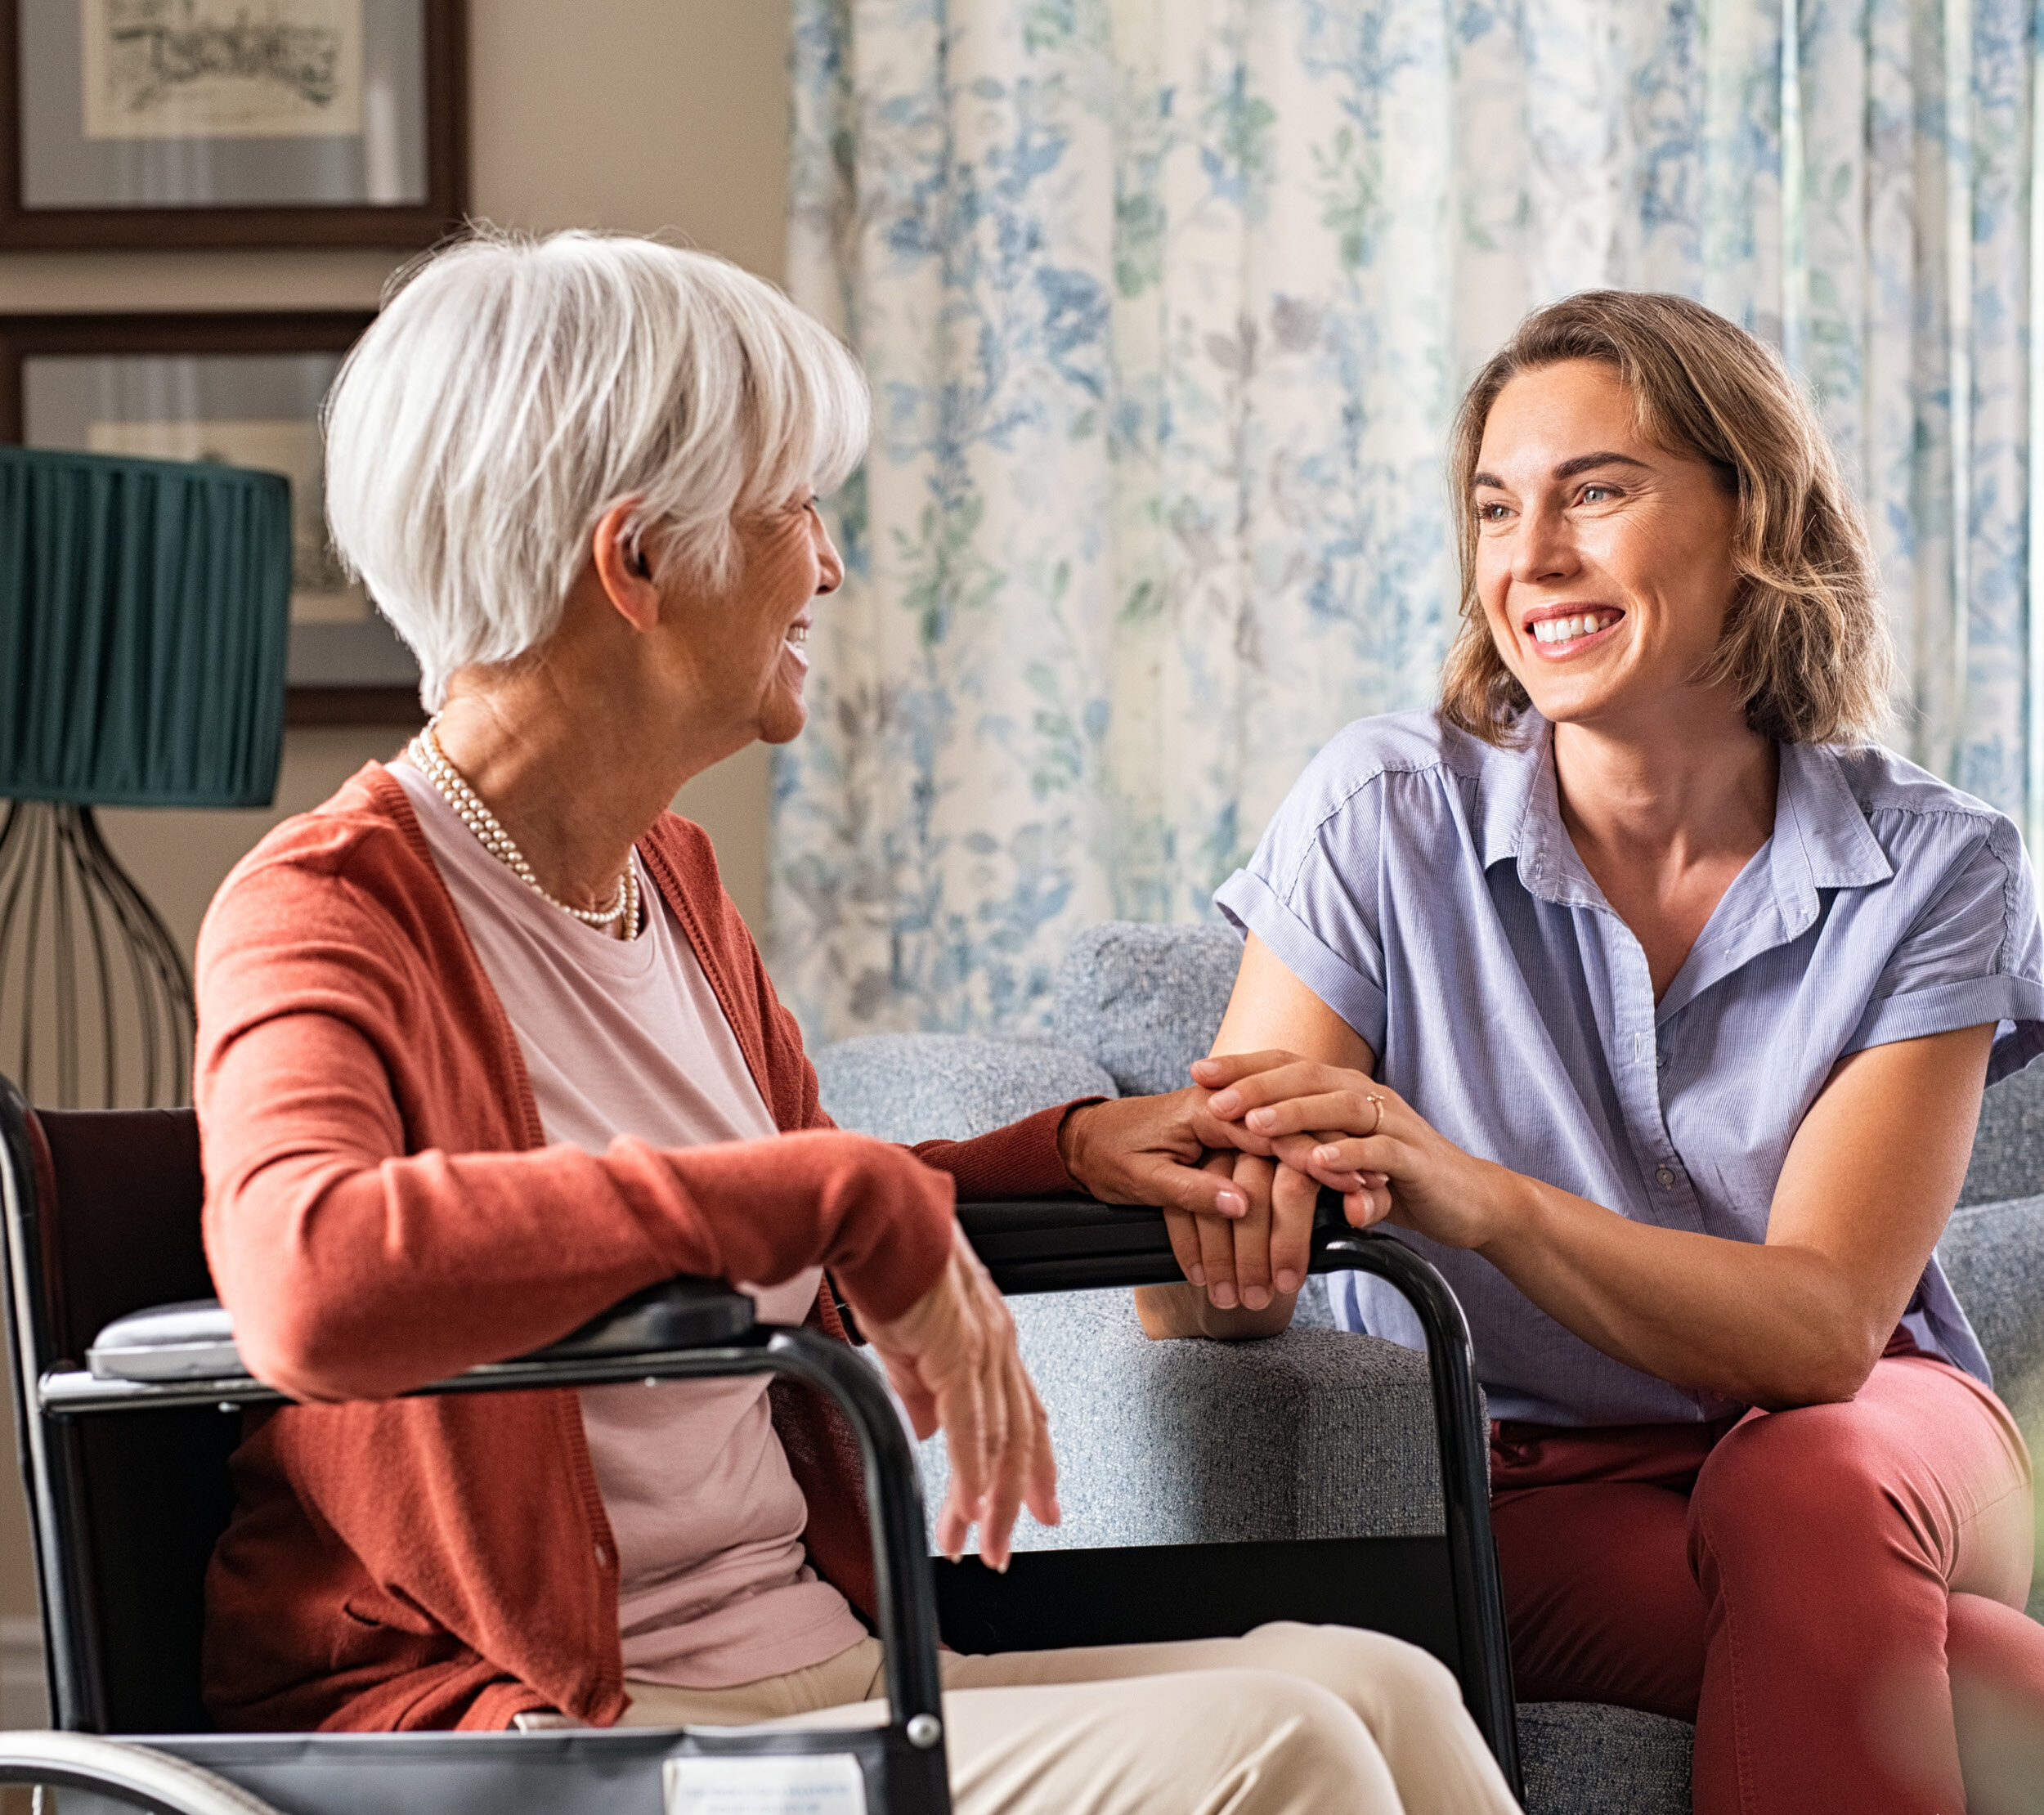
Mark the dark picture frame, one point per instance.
(266, 340)
(150, 225)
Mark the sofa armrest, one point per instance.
(1993, 1255)
(1312, 1434)
(950, 1086)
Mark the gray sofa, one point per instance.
(1318, 1433)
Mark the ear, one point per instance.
(623, 568)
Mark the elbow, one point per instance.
(306, 1351)
(305, 1322)
(1831, 1375)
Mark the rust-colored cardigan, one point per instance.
(381, 1211)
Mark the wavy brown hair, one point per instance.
(1805, 641)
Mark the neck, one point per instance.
(1700, 786)
(576, 785)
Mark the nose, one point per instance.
(1545, 546)
(830, 565)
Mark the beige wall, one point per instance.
(640, 114)
(648, 115)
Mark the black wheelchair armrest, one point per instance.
(191, 1340)
(195, 1340)
(183, 1355)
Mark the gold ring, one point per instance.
(1374, 1098)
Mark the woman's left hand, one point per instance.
(953, 1359)
(1333, 1124)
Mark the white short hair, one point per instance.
(514, 389)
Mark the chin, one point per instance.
(1570, 699)
(784, 724)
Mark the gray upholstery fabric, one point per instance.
(930, 1086)
(1993, 1254)
(1312, 1434)
(2008, 1152)
(1313, 1311)
(1146, 1000)
(1581, 1758)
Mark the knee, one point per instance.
(1313, 1751)
(1776, 1477)
(1369, 1671)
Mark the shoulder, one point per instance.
(1882, 781)
(1365, 759)
(364, 835)
(341, 908)
(1402, 779)
(1958, 898)
(1921, 822)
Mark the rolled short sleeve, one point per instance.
(1310, 892)
(1974, 954)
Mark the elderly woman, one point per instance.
(1653, 1003)
(484, 1048)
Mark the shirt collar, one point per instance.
(1837, 844)
(1821, 839)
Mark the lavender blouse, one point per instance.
(1422, 884)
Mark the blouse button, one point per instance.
(1664, 1177)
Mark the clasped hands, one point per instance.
(1237, 1164)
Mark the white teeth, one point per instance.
(1566, 630)
(798, 634)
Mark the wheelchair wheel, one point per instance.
(121, 1774)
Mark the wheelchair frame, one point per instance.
(1055, 1245)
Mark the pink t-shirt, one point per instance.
(619, 1038)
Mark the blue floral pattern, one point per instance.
(1166, 304)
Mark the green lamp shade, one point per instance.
(144, 607)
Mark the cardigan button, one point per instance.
(602, 1556)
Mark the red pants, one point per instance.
(1805, 1586)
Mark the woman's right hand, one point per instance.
(952, 1358)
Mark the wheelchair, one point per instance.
(128, 1389)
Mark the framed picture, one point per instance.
(244, 390)
(231, 123)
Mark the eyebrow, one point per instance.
(1569, 469)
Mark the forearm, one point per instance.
(1025, 1159)
(355, 1268)
(1769, 1325)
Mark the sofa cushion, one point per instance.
(1145, 1001)
(1312, 1434)
(1581, 1758)
(2008, 1149)
(1993, 1254)
(949, 1086)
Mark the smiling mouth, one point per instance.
(1563, 632)
(796, 641)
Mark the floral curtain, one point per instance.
(1166, 304)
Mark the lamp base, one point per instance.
(93, 987)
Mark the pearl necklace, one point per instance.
(432, 762)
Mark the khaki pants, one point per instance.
(1288, 1720)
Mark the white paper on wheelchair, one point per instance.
(818, 1783)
